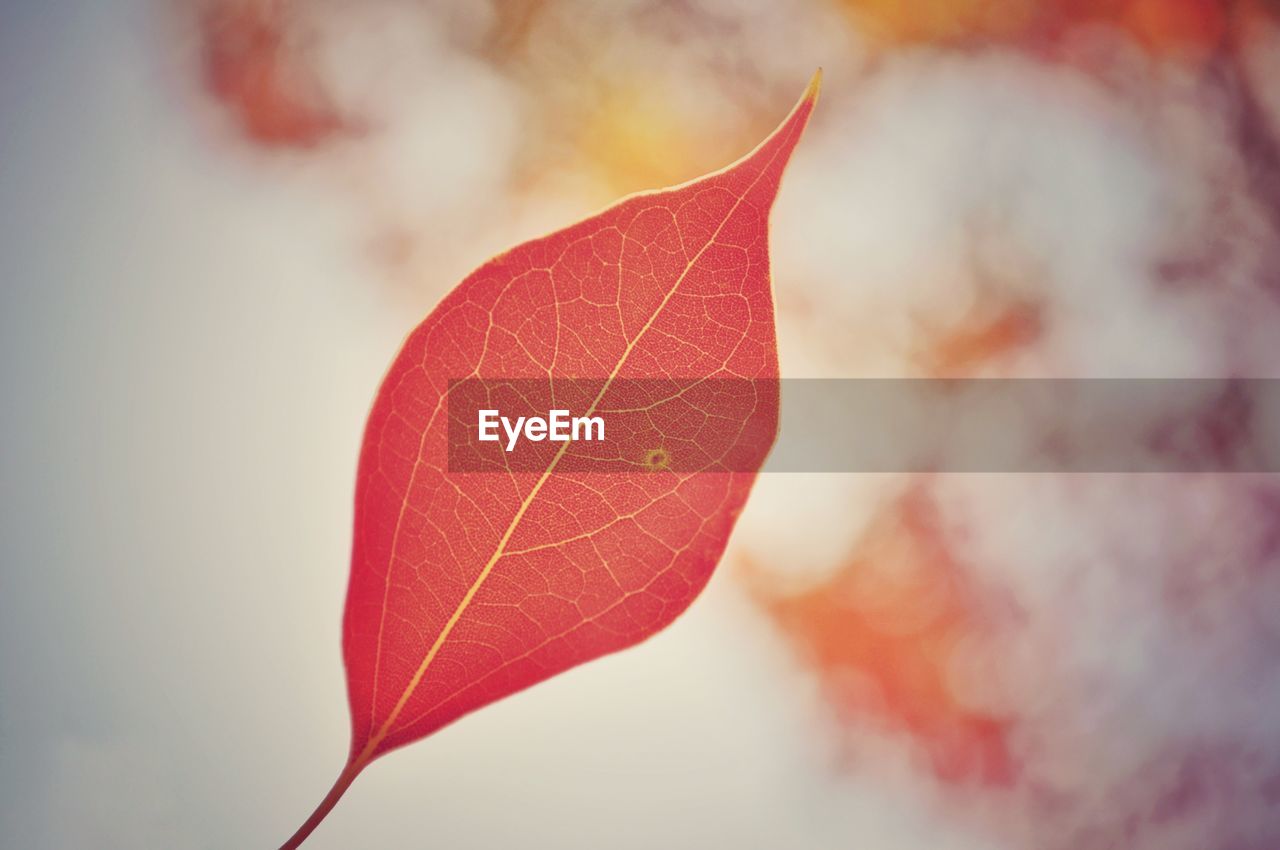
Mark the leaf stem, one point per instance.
(348, 775)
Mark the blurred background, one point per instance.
(218, 219)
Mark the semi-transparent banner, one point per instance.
(863, 425)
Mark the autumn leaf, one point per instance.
(469, 586)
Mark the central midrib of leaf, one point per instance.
(386, 727)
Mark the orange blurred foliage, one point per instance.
(634, 140)
(883, 634)
(1165, 27)
(960, 351)
(262, 75)
(1175, 26)
(947, 21)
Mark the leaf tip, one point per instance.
(815, 86)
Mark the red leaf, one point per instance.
(469, 586)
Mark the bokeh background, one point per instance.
(219, 218)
